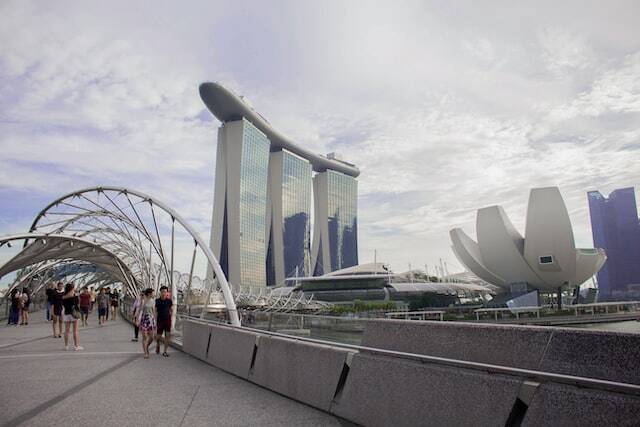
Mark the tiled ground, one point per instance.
(109, 383)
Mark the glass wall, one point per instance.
(296, 208)
(342, 195)
(254, 165)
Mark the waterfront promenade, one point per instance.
(109, 383)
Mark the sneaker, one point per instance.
(78, 348)
(134, 339)
(66, 348)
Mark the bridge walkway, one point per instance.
(109, 383)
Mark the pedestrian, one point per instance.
(107, 292)
(85, 305)
(70, 302)
(164, 306)
(147, 320)
(51, 288)
(26, 302)
(93, 298)
(14, 308)
(103, 306)
(114, 304)
(56, 299)
(135, 309)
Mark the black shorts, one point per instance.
(164, 326)
(84, 310)
(102, 311)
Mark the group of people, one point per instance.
(88, 298)
(153, 317)
(19, 307)
(65, 305)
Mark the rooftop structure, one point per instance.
(545, 259)
(375, 282)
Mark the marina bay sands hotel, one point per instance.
(264, 187)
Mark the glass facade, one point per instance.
(342, 201)
(296, 214)
(254, 164)
(616, 229)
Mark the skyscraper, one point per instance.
(289, 216)
(240, 202)
(335, 234)
(616, 229)
(262, 199)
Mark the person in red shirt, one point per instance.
(85, 305)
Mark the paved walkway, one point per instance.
(109, 383)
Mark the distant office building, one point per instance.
(616, 229)
(335, 234)
(289, 217)
(262, 200)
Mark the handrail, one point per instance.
(539, 376)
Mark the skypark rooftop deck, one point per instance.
(109, 383)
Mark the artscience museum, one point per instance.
(544, 259)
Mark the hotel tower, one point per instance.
(264, 187)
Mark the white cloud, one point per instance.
(445, 109)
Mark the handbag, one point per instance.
(75, 312)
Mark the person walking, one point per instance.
(26, 302)
(164, 306)
(135, 308)
(56, 299)
(51, 288)
(115, 299)
(107, 292)
(85, 305)
(70, 302)
(103, 306)
(14, 308)
(147, 320)
(93, 299)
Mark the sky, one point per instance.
(445, 106)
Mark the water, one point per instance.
(630, 326)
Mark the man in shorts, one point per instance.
(57, 310)
(93, 299)
(85, 305)
(164, 306)
(103, 306)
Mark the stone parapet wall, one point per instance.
(376, 388)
